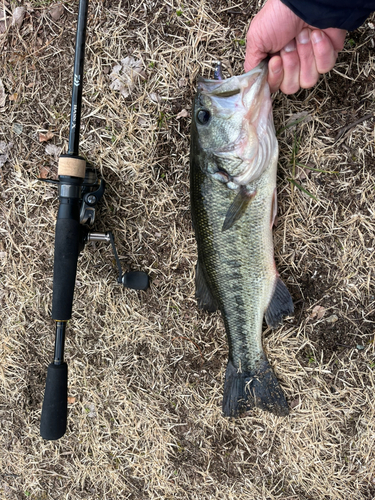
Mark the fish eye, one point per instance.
(203, 116)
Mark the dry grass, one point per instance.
(146, 369)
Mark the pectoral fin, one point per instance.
(238, 207)
(281, 305)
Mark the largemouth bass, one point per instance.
(233, 162)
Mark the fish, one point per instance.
(233, 165)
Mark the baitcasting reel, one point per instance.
(92, 191)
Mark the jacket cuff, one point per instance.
(330, 13)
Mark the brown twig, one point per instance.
(345, 129)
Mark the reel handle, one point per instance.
(55, 404)
(136, 280)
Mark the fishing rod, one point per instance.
(80, 190)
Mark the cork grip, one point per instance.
(74, 167)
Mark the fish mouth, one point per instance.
(226, 97)
(229, 87)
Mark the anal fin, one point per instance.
(280, 305)
(203, 294)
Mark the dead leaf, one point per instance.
(143, 121)
(18, 16)
(91, 411)
(302, 173)
(44, 172)
(71, 400)
(56, 11)
(182, 82)
(318, 312)
(4, 21)
(182, 114)
(17, 128)
(4, 147)
(3, 95)
(45, 137)
(13, 97)
(124, 76)
(294, 403)
(4, 152)
(298, 118)
(53, 150)
(3, 160)
(332, 319)
(155, 97)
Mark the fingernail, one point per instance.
(290, 46)
(316, 36)
(304, 36)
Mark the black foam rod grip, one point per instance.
(55, 404)
(67, 240)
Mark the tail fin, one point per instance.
(253, 389)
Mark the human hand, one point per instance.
(302, 52)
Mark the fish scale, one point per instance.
(236, 272)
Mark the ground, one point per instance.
(146, 368)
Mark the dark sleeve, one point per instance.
(344, 14)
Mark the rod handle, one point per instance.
(67, 241)
(55, 404)
(73, 166)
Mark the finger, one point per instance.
(337, 37)
(275, 73)
(308, 75)
(253, 59)
(290, 59)
(254, 54)
(324, 52)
